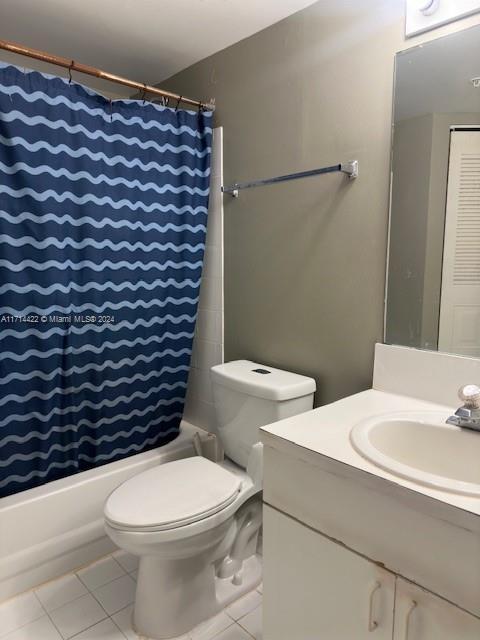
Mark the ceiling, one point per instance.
(145, 40)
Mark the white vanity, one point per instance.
(353, 550)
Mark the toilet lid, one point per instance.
(172, 495)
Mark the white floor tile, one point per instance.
(209, 629)
(41, 629)
(123, 619)
(19, 611)
(105, 630)
(127, 560)
(58, 592)
(252, 623)
(243, 606)
(134, 575)
(100, 573)
(116, 595)
(235, 632)
(78, 615)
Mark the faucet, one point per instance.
(468, 415)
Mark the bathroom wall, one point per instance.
(208, 341)
(305, 261)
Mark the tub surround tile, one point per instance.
(77, 616)
(41, 629)
(200, 412)
(215, 215)
(101, 573)
(195, 381)
(19, 611)
(216, 167)
(211, 294)
(209, 325)
(55, 594)
(208, 354)
(208, 344)
(200, 384)
(252, 623)
(116, 595)
(243, 606)
(212, 264)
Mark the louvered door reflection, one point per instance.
(460, 301)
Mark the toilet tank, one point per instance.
(248, 395)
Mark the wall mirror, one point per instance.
(433, 278)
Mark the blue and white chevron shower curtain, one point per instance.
(103, 211)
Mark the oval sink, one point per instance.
(419, 446)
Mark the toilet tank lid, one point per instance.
(262, 381)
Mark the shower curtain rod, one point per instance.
(71, 65)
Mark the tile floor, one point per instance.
(96, 604)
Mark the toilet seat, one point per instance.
(172, 495)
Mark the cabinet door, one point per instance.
(419, 615)
(316, 589)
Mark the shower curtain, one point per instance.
(103, 211)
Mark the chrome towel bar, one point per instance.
(350, 168)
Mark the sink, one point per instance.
(419, 446)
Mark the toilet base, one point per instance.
(228, 591)
(203, 602)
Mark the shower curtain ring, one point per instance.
(178, 102)
(144, 93)
(70, 71)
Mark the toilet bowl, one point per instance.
(194, 523)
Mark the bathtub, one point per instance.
(50, 530)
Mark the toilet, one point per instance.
(194, 523)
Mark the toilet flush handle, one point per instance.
(255, 465)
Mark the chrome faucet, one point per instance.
(468, 415)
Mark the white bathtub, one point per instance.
(50, 530)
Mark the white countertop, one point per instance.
(326, 432)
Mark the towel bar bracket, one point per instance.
(350, 168)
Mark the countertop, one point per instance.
(323, 435)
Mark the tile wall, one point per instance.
(208, 343)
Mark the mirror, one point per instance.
(433, 278)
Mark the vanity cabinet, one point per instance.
(315, 588)
(420, 615)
